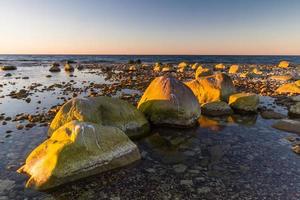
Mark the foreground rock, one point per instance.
(244, 102)
(217, 108)
(293, 88)
(288, 125)
(167, 101)
(217, 87)
(8, 67)
(77, 150)
(104, 111)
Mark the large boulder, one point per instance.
(202, 72)
(244, 102)
(167, 101)
(102, 110)
(283, 64)
(233, 69)
(293, 88)
(77, 150)
(8, 67)
(216, 108)
(217, 87)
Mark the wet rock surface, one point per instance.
(231, 157)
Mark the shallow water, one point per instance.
(238, 158)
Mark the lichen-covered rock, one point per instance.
(102, 110)
(233, 69)
(294, 111)
(293, 88)
(216, 108)
(202, 72)
(283, 64)
(244, 102)
(77, 150)
(220, 66)
(8, 67)
(217, 87)
(69, 68)
(167, 101)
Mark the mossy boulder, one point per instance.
(244, 102)
(293, 88)
(77, 150)
(216, 108)
(217, 87)
(8, 67)
(102, 110)
(167, 101)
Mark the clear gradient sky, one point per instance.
(216, 27)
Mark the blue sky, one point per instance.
(150, 26)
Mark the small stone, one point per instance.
(203, 190)
(186, 182)
(179, 168)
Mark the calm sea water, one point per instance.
(147, 59)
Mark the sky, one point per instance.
(180, 27)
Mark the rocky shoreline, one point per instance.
(128, 82)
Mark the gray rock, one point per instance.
(180, 168)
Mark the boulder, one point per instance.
(105, 111)
(132, 68)
(167, 68)
(293, 88)
(283, 64)
(296, 148)
(233, 69)
(167, 101)
(216, 108)
(281, 78)
(8, 67)
(195, 66)
(220, 66)
(77, 150)
(69, 68)
(201, 72)
(54, 68)
(288, 125)
(294, 110)
(183, 65)
(244, 102)
(217, 87)
(157, 67)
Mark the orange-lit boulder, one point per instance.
(293, 88)
(233, 69)
(157, 67)
(284, 64)
(217, 87)
(201, 72)
(220, 66)
(195, 66)
(167, 101)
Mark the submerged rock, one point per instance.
(167, 101)
(77, 150)
(293, 88)
(244, 102)
(217, 87)
(288, 125)
(8, 67)
(105, 111)
(270, 114)
(217, 108)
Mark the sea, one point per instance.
(230, 59)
